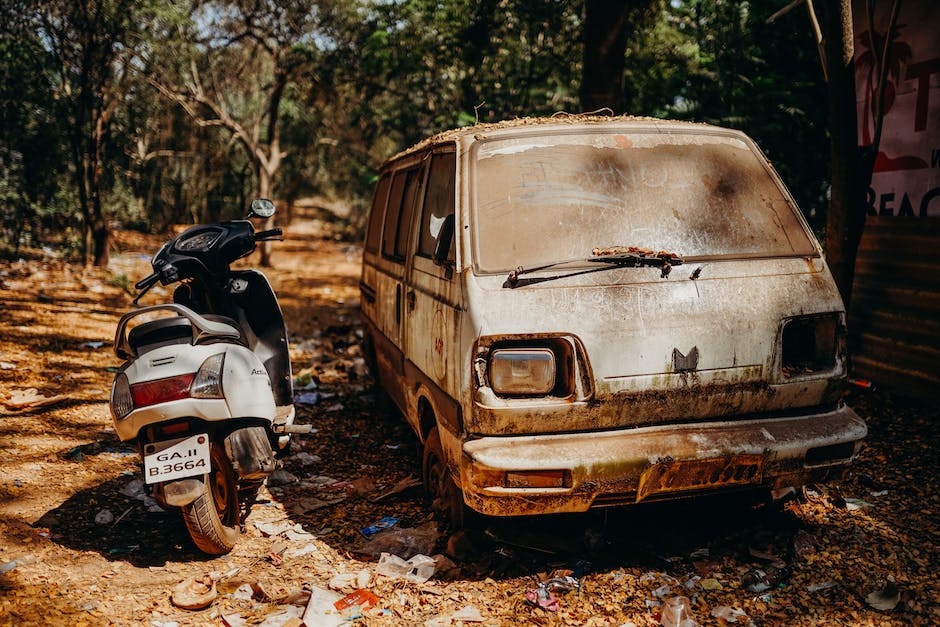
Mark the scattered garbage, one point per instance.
(305, 459)
(542, 597)
(864, 384)
(466, 614)
(401, 486)
(307, 398)
(857, 504)
(8, 566)
(195, 593)
(711, 584)
(803, 543)
(405, 542)
(244, 592)
(30, 398)
(133, 488)
(104, 517)
(677, 612)
(885, 599)
(281, 477)
(92, 345)
(321, 610)
(816, 587)
(359, 598)
(5, 365)
(729, 614)
(379, 525)
(418, 568)
(761, 579)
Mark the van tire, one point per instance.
(445, 497)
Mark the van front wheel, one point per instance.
(446, 498)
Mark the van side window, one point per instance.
(401, 201)
(374, 232)
(438, 201)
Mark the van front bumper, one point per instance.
(620, 467)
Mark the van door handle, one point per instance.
(412, 299)
(398, 304)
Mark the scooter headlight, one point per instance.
(122, 403)
(208, 381)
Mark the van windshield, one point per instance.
(541, 199)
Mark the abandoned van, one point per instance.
(584, 312)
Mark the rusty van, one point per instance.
(582, 312)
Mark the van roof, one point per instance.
(559, 119)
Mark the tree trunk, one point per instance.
(264, 191)
(845, 218)
(606, 28)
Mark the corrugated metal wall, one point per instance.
(894, 319)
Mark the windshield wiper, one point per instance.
(619, 257)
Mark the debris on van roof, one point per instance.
(559, 118)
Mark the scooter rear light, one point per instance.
(162, 390)
(122, 403)
(208, 381)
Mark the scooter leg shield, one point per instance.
(250, 452)
(182, 491)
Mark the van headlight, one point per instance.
(522, 372)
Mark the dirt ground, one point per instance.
(81, 545)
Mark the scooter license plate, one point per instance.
(176, 459)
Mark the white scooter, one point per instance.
(206, 392)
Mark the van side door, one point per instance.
(394, 248)
(432, 295)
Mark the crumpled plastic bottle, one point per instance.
(677, 612)
(761, 579)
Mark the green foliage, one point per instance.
(359, 81)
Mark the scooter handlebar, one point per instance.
(270, 234)
(147, 282)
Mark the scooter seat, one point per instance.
(162, 331)
(171, 331)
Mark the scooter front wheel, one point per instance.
(212, 519)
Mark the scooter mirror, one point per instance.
(261, 208)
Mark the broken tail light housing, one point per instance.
(811, 344)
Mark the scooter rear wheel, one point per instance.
(212, 519)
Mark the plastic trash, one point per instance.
(104, 517)
(307, 398)
(729, 614)
(803, 543)
(677, 612)
(405, 542)
(320, 610)
(816, 587)
(885, 599)
(379, 525)
(360, 598)
(418, 569)
(761, 579)
(542, 597)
